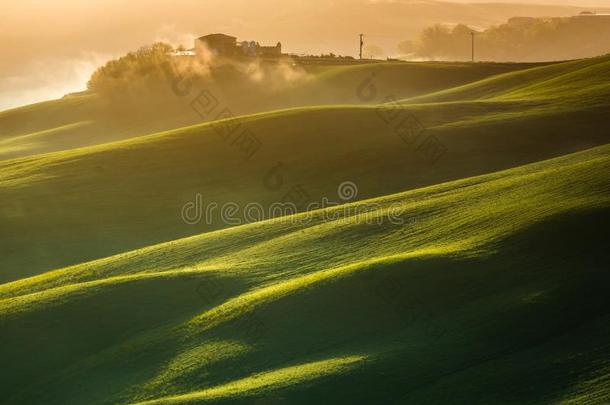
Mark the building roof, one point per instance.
(218, 36)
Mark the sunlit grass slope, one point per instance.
(341, 84)
(581, 82)
(491, 289)
(68, 207)
(88, 119)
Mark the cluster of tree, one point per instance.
(159, 78)
(369, 52)
(146, 65)
(520, 39)
(326, 56)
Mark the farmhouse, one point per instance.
(228, 46)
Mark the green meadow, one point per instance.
(469, 267)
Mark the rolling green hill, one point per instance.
(580, 81)
(485, 289)
(468, 264)
(68, 207)
(89, 119)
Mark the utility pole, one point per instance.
(361, 43)
(472, 34)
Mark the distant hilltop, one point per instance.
(228, 46)
(592, 14)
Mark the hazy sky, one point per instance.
(50, 48)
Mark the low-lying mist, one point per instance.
(160, 79)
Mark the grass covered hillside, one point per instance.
(582, 81)
(448, 243)
(92, 118)
(486, 289)
(67, 207)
